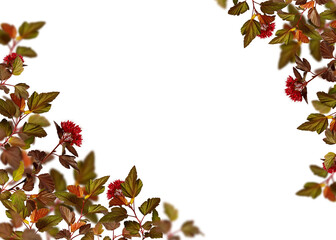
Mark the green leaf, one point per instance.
(21, 90)
(288, 53)
(239, 8)
(48, 222)
(26, 52)
(327, 99)
(7, 108)
(17, 66)
(170, 211)
(189, 229)
(149, 205)
(4, 37)
(117, 214)
(155, 216)
(95, 187)
(156, 232)
(133, 227)
(59, 180)
(17, 174)
(318, 171)
(310, 189)
(316, 122)
(40, 103)
(39, 120)
(69, 198)
(328, 14)
(250, 30)
(132, 186)
(5, 129)
(222, 3)
(329, 160)
(270, 7)
(30, 30)
(32, 129)
(86, 169)
(282, 36)
(314, 47)
(322, 108)
(286, 16)
(18, 199)
(97, 209)
(330, 137)
(3, 176)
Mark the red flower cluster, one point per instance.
(266, 30)
(294, 88)
(114, 189)
(9, 59)
(331, 169)
(71, 133)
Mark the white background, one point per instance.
(167, 86)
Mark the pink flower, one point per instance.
(266, 30)
(294, 89)
(114, 189)
(72, 133)
(9, 59)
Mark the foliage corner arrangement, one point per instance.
(38, 203)
(307, 24)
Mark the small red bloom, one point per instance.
(9, 59)
(266, 30)
(114, 189)
(72, 133)
(294, 88)
(331, 169)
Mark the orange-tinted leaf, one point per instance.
(299, 35)
(20, 102)
(309, 4)
(333, 125)
(77, 190)
(118, 201)
(26, 159)
(333, 24)
(37, 214)
(76, 226)
(265, 19)
(10, 29)
(328, 194)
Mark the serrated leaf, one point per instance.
(286, 16)
(3, 176)
(322, 108)
(67, 215)
(222, 3)
(132, 227)
(30, 30)
(330, 137)
(282, 36)
(4, 72)
(170, 211)
(155, 216)
(117, 214)
(21, 90)
(316, 122)
(7, 108)
(318, 171)
(311, 189)
(288, 52)
(250, 30)
(327, 99)
(46, 182)
(95, 187)
(86, 169)
(132, 186)
(40, 102)
(26, 52)
(149, 205)
(189, 229)
(314, 47)
(4, 37)
(239, 8)
(270, 6)
(155, 232)
(48, 222)
(37, 214)
(329, 160)
(17, 174)
(17, 66)
(32, 129)
(39, 120)
(97, 209)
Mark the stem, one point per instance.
(45, 158)
(297, 24)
